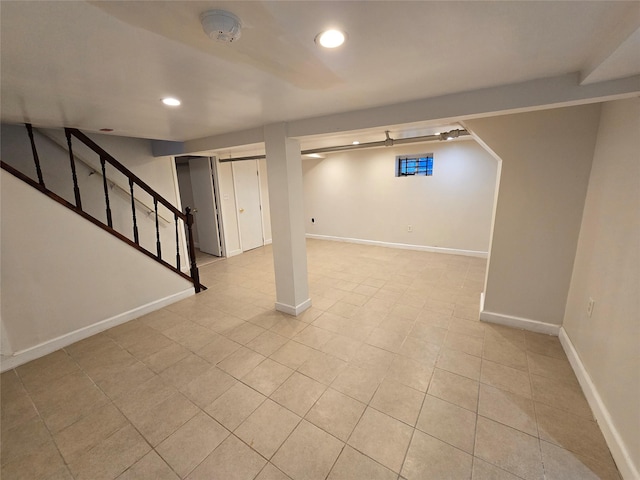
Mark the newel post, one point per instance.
(192, 251)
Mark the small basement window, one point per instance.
(409, 165)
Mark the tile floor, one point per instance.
(388, 376)
(203, 258)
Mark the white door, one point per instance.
(247, 186)
(204, 204)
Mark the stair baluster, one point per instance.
(72, 162)
(133, 214)
(175, 216)
(158, 245)
(106, 191)
(36, 159)
(192, 250)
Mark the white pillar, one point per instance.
(284, 172)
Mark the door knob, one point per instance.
(242, 210)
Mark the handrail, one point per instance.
(87, 164)
(18, 174)
(124, 170)
(133, 179)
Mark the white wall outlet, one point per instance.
(409, 228)
(590, 306)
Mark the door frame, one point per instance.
(216, 192)
(235, 194)
(216, 197)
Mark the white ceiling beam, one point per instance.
(621, 61)
(539, 94)
(532, 95)
(225, 140)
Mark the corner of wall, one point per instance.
(615, 442)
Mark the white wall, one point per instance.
(356, 195)
(607, 269)
(61, 275)
(133, 153)
(546, 160)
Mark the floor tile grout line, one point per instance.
(413, 433)
(130, 423)
(452, 315)
(41, 418)
(109, 402)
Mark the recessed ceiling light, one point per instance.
(356, 142)
(331, 38)
(172, 102)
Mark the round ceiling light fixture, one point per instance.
(221, 25)
(331, 38)
(171, 102)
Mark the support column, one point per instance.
(284, 171)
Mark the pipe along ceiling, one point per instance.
(387, 142)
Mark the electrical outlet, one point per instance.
(409, 228)
(590, 306)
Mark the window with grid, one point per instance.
(410, 165)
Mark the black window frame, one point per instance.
(415, 165)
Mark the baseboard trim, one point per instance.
(404, 246)
(268, 241)
(291, 310)
(616, 445)
(519, 322)
(233, 253)
(7, 362)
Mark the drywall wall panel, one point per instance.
(357, 195)
(607, 270)
(61, 274)
(546, 159)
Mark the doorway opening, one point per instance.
(198, 188)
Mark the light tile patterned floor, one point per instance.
(388, 376)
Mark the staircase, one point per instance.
(158, 209)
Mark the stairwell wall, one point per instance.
(63, 278)
(133, 153)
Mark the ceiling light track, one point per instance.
(388, 142)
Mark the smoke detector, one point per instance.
(221, 25)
